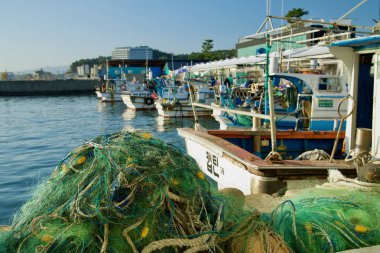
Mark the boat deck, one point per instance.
(286, 169)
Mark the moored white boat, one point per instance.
(111, 90)
(176, 101)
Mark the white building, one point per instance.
(83, 70)
(132, 53)
(94, 70)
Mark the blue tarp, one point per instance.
(359, 43)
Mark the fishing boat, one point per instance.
(111, 90)
(262, 160)
(175, 101)
(236, 159)
(269, 160)
(138, 96)
(139, 100)
(301, 101)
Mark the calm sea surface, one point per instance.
(37, 132)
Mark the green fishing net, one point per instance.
(4, 233)
(244, 120)
(329, 220)
(127, 192)
(131, 192)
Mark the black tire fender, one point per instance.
(148, 101)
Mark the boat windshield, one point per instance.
(329, 84)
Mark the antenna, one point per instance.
(268, 13)
(282, 11)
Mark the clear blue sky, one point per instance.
(37, 33)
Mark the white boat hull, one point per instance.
(111, 97)
(226, 171)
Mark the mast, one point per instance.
(172, 62)
(269, 102)
(146, 64)
(107, 70)
(350, 11)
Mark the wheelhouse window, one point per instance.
(329, 85)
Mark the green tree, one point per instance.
(90, 62)
(295, 13)
(207, 46)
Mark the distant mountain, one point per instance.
(54, 70)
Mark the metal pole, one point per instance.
(197, 125)
(282, 13)
(107, 84)
(266, 100)
(341, 124)
(320, 22)
(267, 14)
(172, 63)
(350, 11)
(271, 102)
(251, 114)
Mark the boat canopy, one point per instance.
(313, 52)
(307, 52)
(180, 70)
(359, 43)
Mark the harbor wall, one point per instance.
(40, 87)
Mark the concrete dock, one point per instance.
(56, 87)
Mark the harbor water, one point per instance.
(37, 132)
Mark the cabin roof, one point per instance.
(359, 43)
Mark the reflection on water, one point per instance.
(167, 123)
(110, 106)
(129, 114)
(37, 132)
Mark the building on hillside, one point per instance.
(83, 70)
(94, 71)
(132, 53)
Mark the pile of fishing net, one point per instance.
(329, 220)
(130, 192)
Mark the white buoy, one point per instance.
(313, 63)
(273, 65)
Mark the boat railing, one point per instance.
(299, 118)
(256, 115)
(335, 119)
(247, 113)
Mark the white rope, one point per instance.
(337, 180)
(362, 157)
